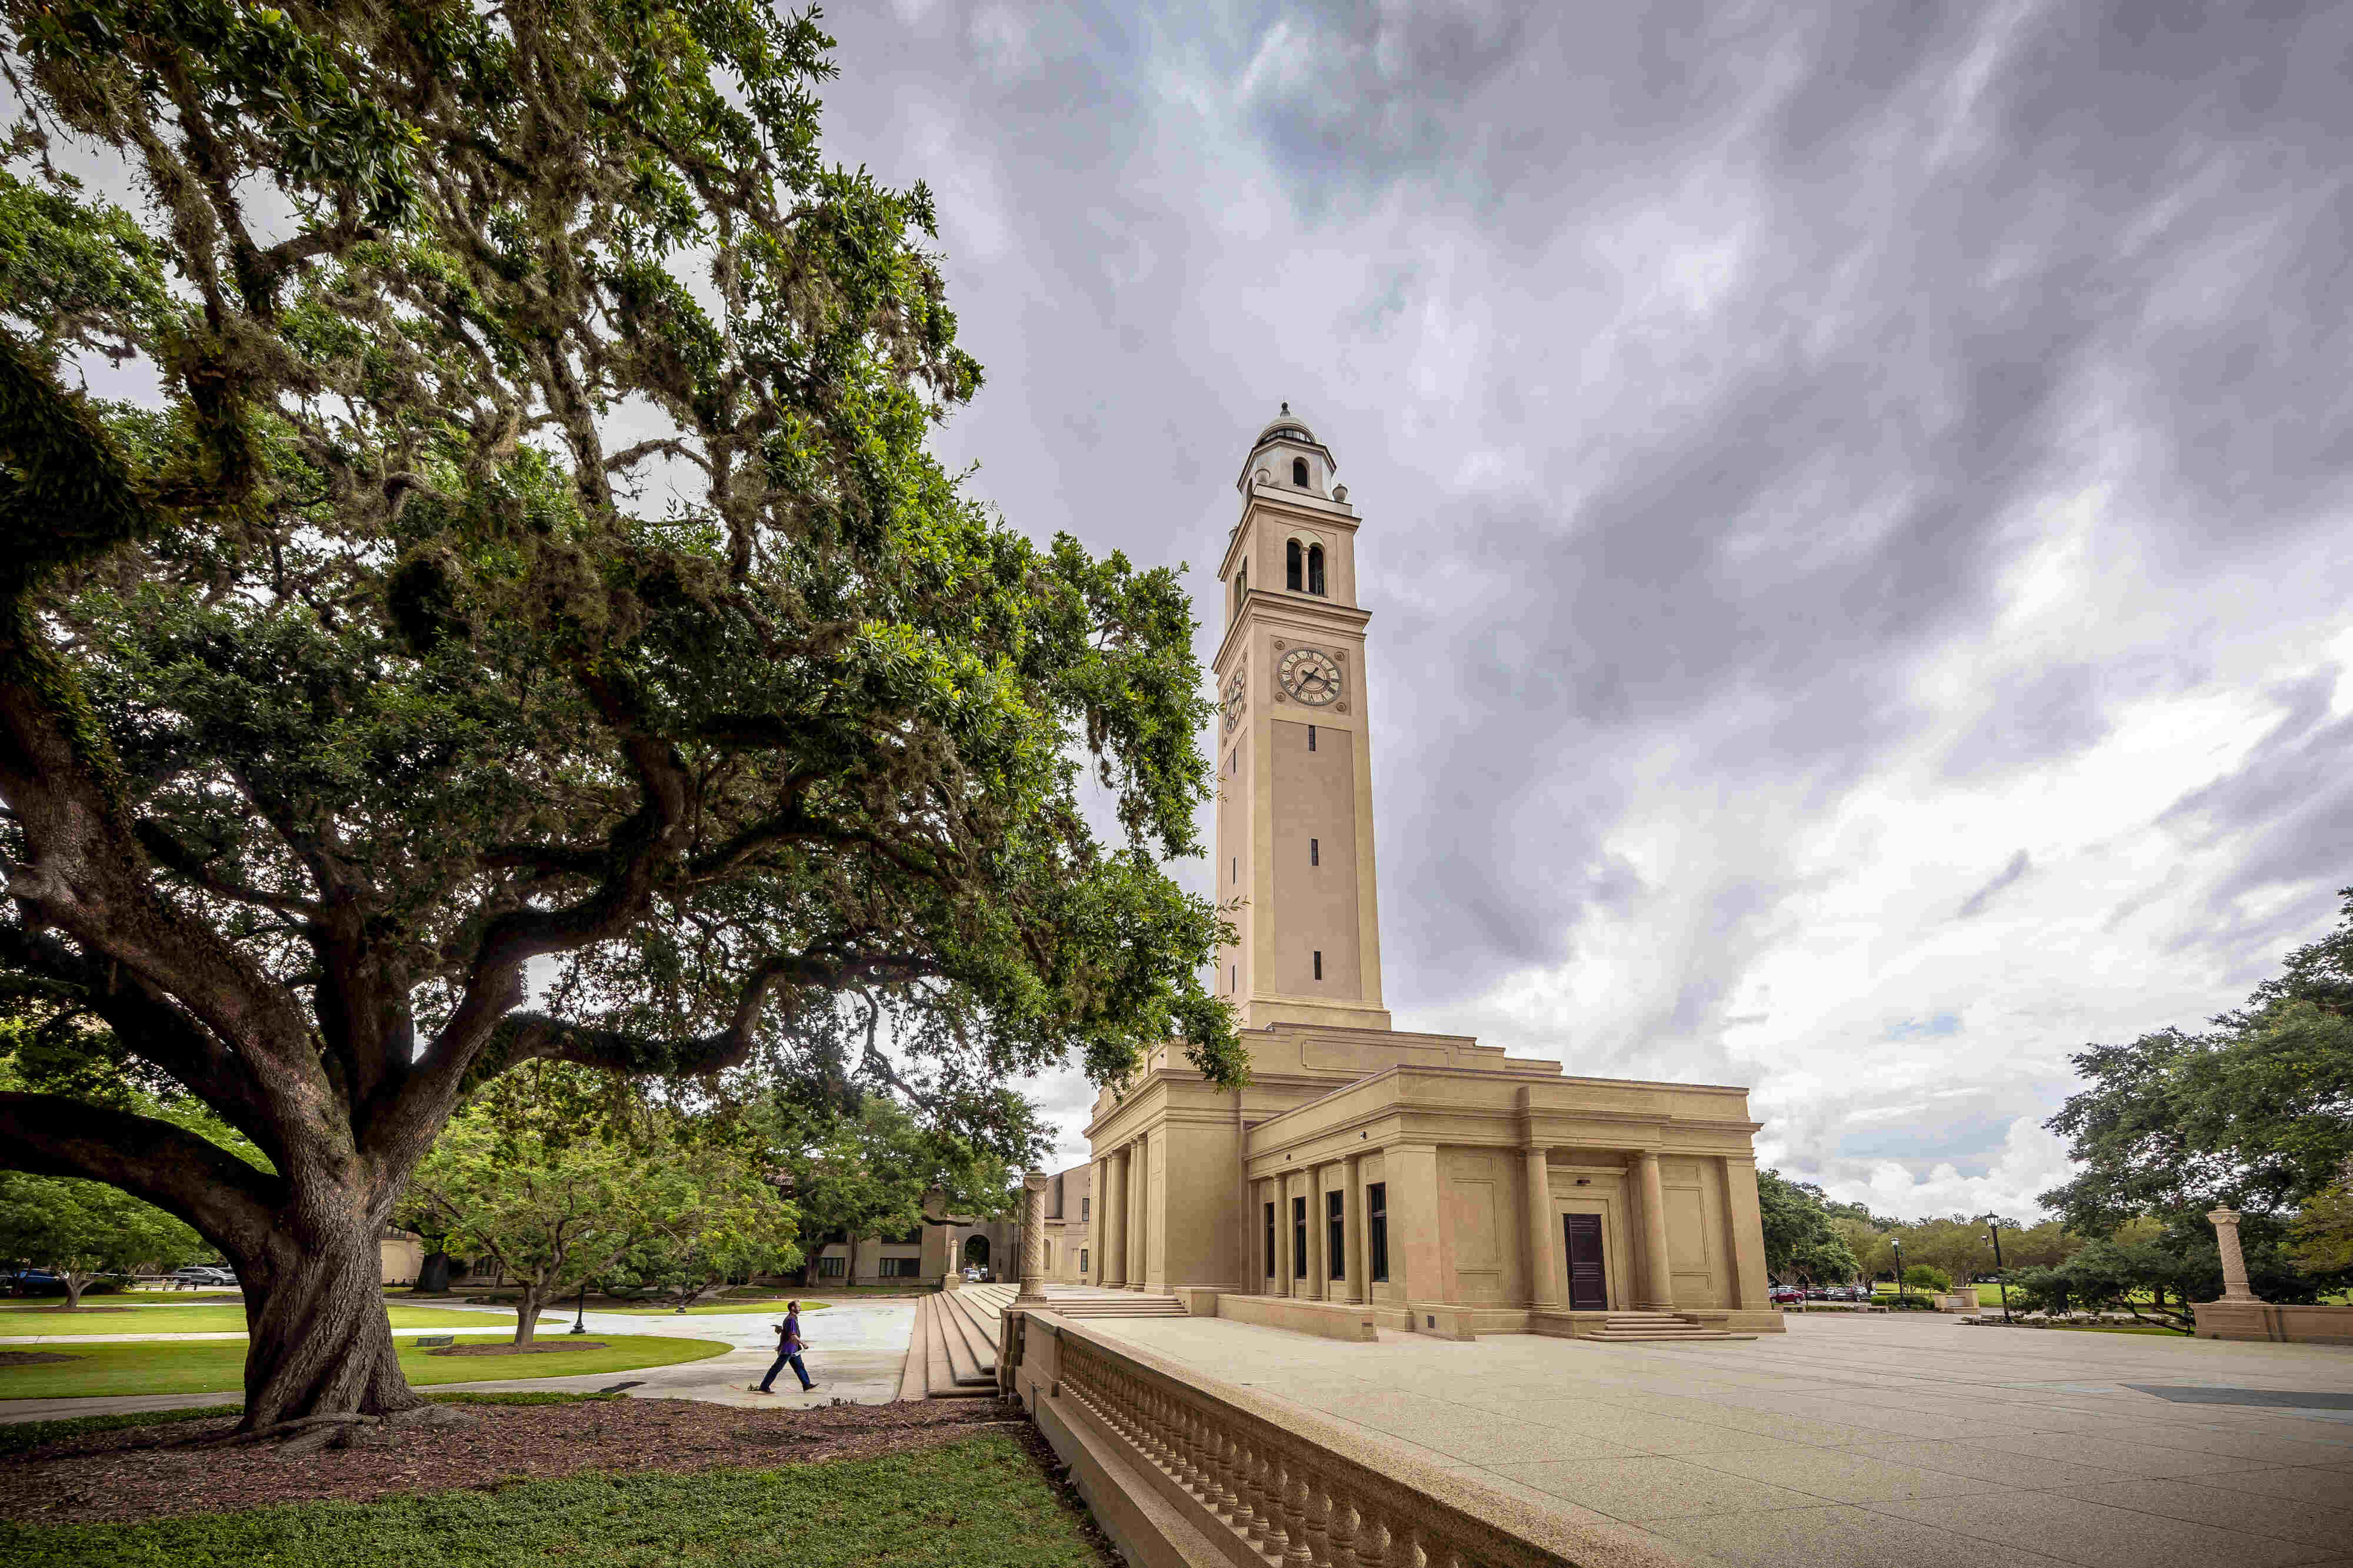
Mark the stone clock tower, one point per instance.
(1294, 867)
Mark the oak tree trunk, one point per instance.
(76, 1282)
(527, 1309)
(321, 1344)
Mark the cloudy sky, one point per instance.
(1854, 498)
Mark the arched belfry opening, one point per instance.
(1290, 567)
(1299, 472)
(1314, 568)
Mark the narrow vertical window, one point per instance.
(1291, 565)
(1299, 472)
(1314, 568)
(1376, 1231)
(1319, 963)
(1270, 1241)
(1335, 1233)
(1236, 874)
(1299, 1238)
(1315, 852)
(1233, 977)
(1311, 737)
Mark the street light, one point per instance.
(580, 1316)
(1900, 1301)
(2001, 1275)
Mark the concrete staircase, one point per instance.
(953, 1352)
(1655, 1325)
(1115, 1304)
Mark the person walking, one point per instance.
(788, 1352)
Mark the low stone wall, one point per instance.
(1186, 1471)
(2262, 1320)
(1327, 1319)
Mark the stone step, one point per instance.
(978, 1325)
(951, 1370)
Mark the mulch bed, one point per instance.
(30, 1358)
(554, 1347)
(147, 1472)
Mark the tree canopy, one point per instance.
(1801, 1241)
(870, 1170)
(530, 564)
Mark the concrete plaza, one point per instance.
(1856, 1441)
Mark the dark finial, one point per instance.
(1286, 408)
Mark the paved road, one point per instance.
(1857, 1441)
(856, 1352)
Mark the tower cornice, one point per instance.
(1308, 508)
(1284, 610)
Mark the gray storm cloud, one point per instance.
(1805, 452)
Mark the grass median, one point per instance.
(981, 1500)
(206, 1366)
(209, 1318)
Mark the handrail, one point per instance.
(1300, 1491)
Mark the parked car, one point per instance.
(1786, 1296)
(32, 1282)
(205, 1275)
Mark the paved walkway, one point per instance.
(1863, 1440)
(855, 1353)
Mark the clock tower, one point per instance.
(1294, 867)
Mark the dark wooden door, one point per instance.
(1588, 1280)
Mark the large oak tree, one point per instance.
(525, 622)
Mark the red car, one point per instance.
(1786, 1296)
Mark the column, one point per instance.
(1033, 1241)
(1114, 1204)
(1286, 1243)
(1658, 1279)
(1544, 1267)
(1139, 1211)
(1352, 1213)
(1319, 1250)
(2234, 1263)
(1094, 1223)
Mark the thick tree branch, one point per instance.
(227, 1200)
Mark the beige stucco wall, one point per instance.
(1315, 809)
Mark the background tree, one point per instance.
(1800, 1239)
(555, 1174)
(870, 1171)
(83, 1230)
(533, 559)
(2256, 1112)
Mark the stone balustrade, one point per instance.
(1283, 1487)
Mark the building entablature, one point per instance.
(1467, 1107)
(1323, 510)
(1278, 611)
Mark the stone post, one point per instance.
(1033, 1239)
(1544, 1267)
(2234, 1263)
(1287, 1239)
(1658, 1278)
(1112, 1206)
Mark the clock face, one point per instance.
(1309, 675)
(1234, 690)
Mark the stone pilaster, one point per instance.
(1658, 1277)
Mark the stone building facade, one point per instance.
(1442, 1185)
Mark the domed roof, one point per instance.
(1285, 426)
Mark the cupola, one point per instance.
(1287, 455)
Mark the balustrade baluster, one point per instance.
(1341, 1531)
(1226, 1499)
(1318, 1516)
(1263, 1522)
(1373, 1540)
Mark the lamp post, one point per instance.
(1898, 1245)
(580, 1314)
(2001, 1275)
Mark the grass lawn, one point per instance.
(202, 1367)
(196, 1319)
(978, 1503)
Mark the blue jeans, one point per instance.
(786, 1359)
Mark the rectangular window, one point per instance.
(1086, 1208)
(1319, 963)
(1299, 1238)
(901, 1268)
(1376, 1231)
(1083, 1262)
(1270, 1241)
(832, 1268)
(1233, 977)
(1315, 852)
(1235, 875)
(1336, 1233)
(1311, 737)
